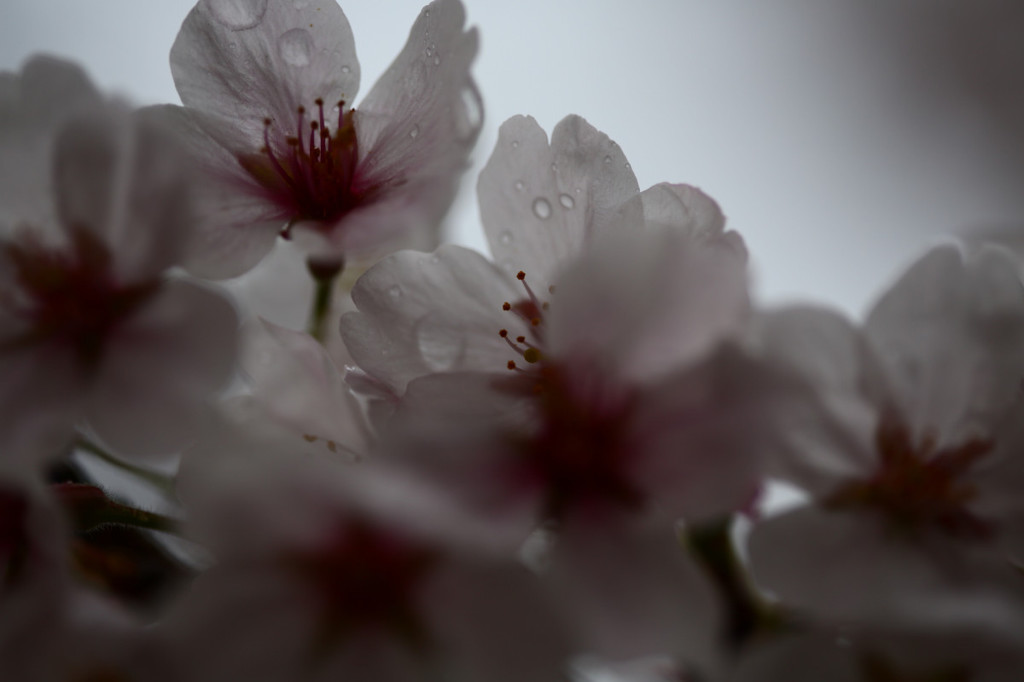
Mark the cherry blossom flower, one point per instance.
(268, 89)
(328, 572)
(909, 446)
(90, 326)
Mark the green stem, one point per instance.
(325, 273)
(164, 484)
(748, 613)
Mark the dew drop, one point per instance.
(395, 291)
(519, 185)
(296, 46)
(578, 190)
(346, 69)
(415, 132)
(429, 52)
(566, 201)
(505, 238)
(541, 208)
(440, 346)
(554, 167)
(437, 61)
(607, 159)
(628, 166)
(515, 144)
(426, 12)
(236, 15)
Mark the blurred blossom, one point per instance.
(92, 328)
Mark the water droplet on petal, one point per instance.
(566, 201)
(554, 167)
(628, 166)
(414, 133)
(515, 144)
(236, 15)
(578, 190)
(346, 69)
(429, 52)
(296, 47)
(469, 123)
(505, 238)
(426, 12)
(519, 185)
(395, 291)
(607, 159)
(440, 346)
(541, 208)
(437, 61)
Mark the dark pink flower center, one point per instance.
(14, 539)
(310, 171)
(69, 296)
(366, 577)
(580, 454)
(916, 487)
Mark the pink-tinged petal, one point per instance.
(540, 203)
(248, 60)
(683, 207)
(630, 595)
(122, 178)
(849, 567)
(149, 393)
(46, 93)
(421, 313)
(826, 434)
(700, 436)
(951, 335)
(297, 382)
(645, 305)
(234, 223)
(494, 623)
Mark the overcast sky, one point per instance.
(837, 164)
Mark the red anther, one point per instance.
(535, 322)
(503, 333)
(545, 305)
(521, 275)
(319, 101)
(267, 121)
(314, 125)
(506, 306)
(511, 364)
(302, 109)
(551, 289)
(520, 339)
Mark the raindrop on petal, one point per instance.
(505, 238)
(541, 208)
(440, 346)
(296, 47)
(566, 201)
(346, 69)
(414, 133)
(395, 291)
(519, 185)
(236, 15)
(607, 159)
(515, 144)
(437, 60)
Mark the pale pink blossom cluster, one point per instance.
(358, 461)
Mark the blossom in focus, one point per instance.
(268, 89)
(90, 326)
(909, 444)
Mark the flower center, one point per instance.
(310, 171)
(918, 487)
(579, 455)
(69, 296)
(14, 540)
(366, 578)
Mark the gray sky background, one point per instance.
(837, 162)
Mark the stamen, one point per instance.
(506, 306)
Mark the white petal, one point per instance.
(541, 203)
(247, 60)
(160, 366)
(645, 305)
(826, 433)
(295, 380)
(421, 313)
(417, 126)
(951, 333)
(631, 595)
